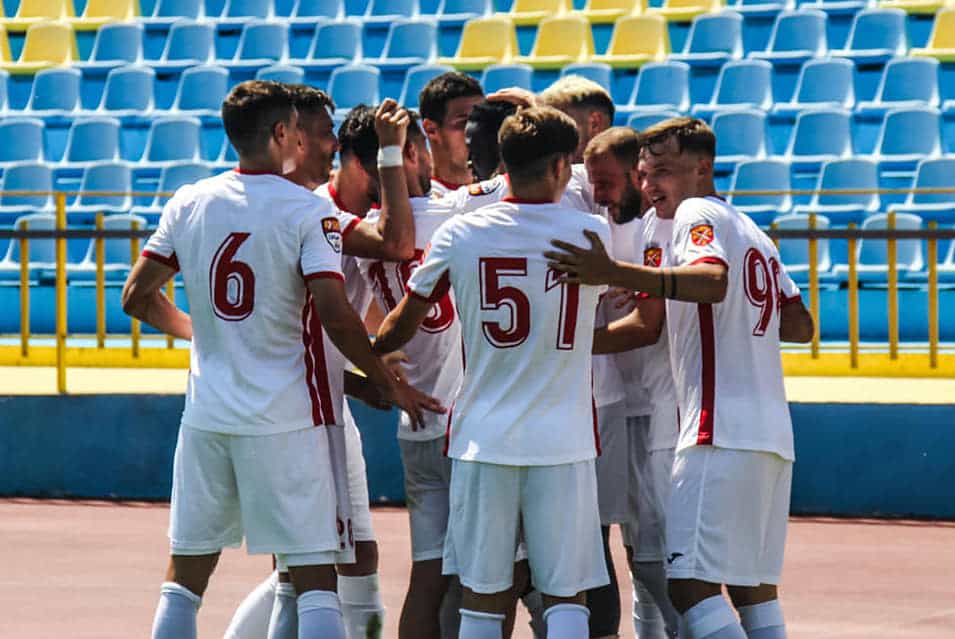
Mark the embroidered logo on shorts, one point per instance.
(484, 188)
(673, 557)
(652, 256)
(333, 233)
(701, 234)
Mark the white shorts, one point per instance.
(727, 516)
(554, 506)
(614, 465)
(427, 485)
(276, 490)
(357, 481)
(646, 533)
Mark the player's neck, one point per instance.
(351, 198)
(536, 193)
(448, 174)
(261, 164)
(303, 178)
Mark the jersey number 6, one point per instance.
(231, 282)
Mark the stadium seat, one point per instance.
(42, 251)
(281, 73)
(822, 84)
(797, 36)
(941, 42)
(166, 12)
(908, 136)
(714, 39)
(762, 175)
(740, 136)
(455, 13)
(47, 44)
(502, 76)
(171, 177)
(352, 85)
(645, 119)
(261, 44)
(485, 41)
(410, 42)
(761, 8)
(531, 12)
(236, 13)
(819, 135)
(128, 94)
(742, 84)
(334, 44)
(306, 12)
(187, 45)
(415, 80)
(21, 139)
(92, 140)
(115, 45)
(201, 92)
(55, 94)
(872, 255)
(636, 40)
(117, 257)
(102, 177)
(855, 174)
(560, 41)
(384, 12)
(906, 82)
(605, 11)
(5, 55)
(936, 173)
(597, 72)
(99, 13)
(660, 86)
(795, 253)
(172, 139)
(685, 10)
(877, 35)
(32, 12)
(26, 176)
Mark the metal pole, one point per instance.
(893, 291)
(853, 302)
(100, 285)
(25, 292)
(61, 295)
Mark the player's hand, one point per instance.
(413, 402)
(393, 362)
(391, 124)
(622, 299)
(581, 265)
(522, 98)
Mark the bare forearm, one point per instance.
(796, 324)
(703, 284)
(395, 331)
(396, 222)
(157, 311)
(346, 331)
(642, 327)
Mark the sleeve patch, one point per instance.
(484, 188)
(701, 234)
(332, 229)
(653, 256)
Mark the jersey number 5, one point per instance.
(761, 282)
(231, 282)
(518, 328)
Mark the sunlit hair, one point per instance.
(692, 136)
(620, 141)
(532, 138)
(575, 91)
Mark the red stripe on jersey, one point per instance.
(321, 370)
(351, 227)
(710, 259)
(440, 290)
(517, 200)
(172, 261)
(322, 275)
(789, 300)
(708, 351)
(307, 341)
(593, 407)
(447, 431)
(448, 185)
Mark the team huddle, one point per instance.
(578, 333)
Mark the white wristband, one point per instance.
(389, 156)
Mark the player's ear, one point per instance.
(430, 128)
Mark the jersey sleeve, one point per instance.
(160, 245)
(348, 222)
(431, 281)
(603, 230)
(322, 245)
(788, 289)
(697, 235)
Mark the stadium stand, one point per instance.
(532, 12)
(99, 13)
(92, 140)
(21, 139)
(795, 253)
(797, 36)
(47, 44)
(740, 136)
(685, 10)
(608, 11)
(741, 84)
(116, 44)
(33, 12)
(128, 95)
(55, 94)
(334, 44)
(501, 76)
(561, 40)
(636, 40)
(416, 79)
(25, 176)
(941, 42)
(484, 42)
(849, 174)
(762, 175)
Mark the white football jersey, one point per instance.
(526, 399)
(435, 365)
(359, 295)
(578, 194)
(725, 357)
(260, 361)
(440, 188)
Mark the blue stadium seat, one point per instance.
(187, 45)
(25, 176)
(236, 13)
(128, 95)
(106, 177)
(760, 8)
(908, 136)
(116, 45)
(599, 72)
(171, 177)
(872, 255)
(848, 174)
(822, 84)
(385, 12)
(415, 80)
(305, 12)
(281, 73)
(201, 91)
(352, 85)
(453, 13)
(819, 135)
(117, 257)
(410, 42)
(502, 76)
(795, 253)
(660, 86)
(877, 35)
(714, 39)
(762, 175)
(172, 139)
(797, 36)
(742, 84)
(55, 94)
(167, 12)
(906, 83)
(334, 44)
(92, 140)
(645, 119)
(261, 44)
(937, 173)
(4, 92)
(42, 251)
(21, 139)
(740, 136)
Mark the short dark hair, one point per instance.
(434, 97)
(357, 136)
(532, 137)
(620, 141)
(251, 110)
(692, 135)
(309, 100)
(414, 127)
(483, 125)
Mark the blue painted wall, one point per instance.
(852, 459)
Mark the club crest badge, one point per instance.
(701, 234)
(652, 256)
(484, 188)
(333, 233)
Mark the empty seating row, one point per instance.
(96, 13)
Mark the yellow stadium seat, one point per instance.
(484, 42)
(560, 41)
(637, 40)
(685, 10)
(528, 12)
(32, 12)
(47, 44)
(604, 11)
(100, 12)
(4, 47)
(916, 6)
(941, 44)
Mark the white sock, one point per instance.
(362, 608)
(713, 618)
(652, 579)
(176, 612)
(283, 623)
(480, 625)
(534, 602)
(763, 621)
(251, 618)
(319, 616)
(567, 621)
